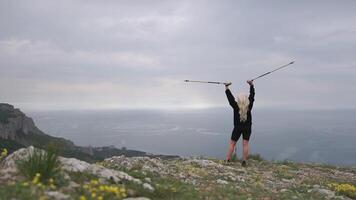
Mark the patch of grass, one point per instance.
(256, 157)
(299, 193)
(81, 177)
(18, 191)
(227, 191)
(42, 164)
(141, 174)
(165, 189)
(282, 172)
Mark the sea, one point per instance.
(312, 136)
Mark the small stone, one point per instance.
(148, 187)
(328, 193)
(223, 182)
(147, 179)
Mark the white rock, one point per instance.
(223, 182)
(9, 164)
(148, 180)
(68, 164)
(73, 165)
(148, 187)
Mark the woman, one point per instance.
(242, 120)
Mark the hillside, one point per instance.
(18, 130)
(121, 177)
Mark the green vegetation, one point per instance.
(165, 188)
(41, 165)
(18, 191)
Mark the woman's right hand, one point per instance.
(227, 85)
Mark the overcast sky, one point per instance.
(73, 54)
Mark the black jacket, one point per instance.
(234, 105)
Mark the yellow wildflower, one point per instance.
(36, 179)
(82, 197)
(101, 188)
(3, 153)
(43, 198)
(52, 186)
(94, 182)
(346, 189)
(25, 184)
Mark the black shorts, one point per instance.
(244, 130)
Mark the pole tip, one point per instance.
(292, 62)
(186, 80)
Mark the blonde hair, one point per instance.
(243, 102)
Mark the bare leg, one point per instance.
(231, 149)
(245, 149)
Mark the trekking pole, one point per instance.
(212, 82)
(273, 71)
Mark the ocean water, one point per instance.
(323, 136)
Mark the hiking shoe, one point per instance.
(243, 163)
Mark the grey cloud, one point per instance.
(136, 53)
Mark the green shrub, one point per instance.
(41, 165)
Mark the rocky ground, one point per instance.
(183, 178)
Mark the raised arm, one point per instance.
(251, 97)
(230, 97)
